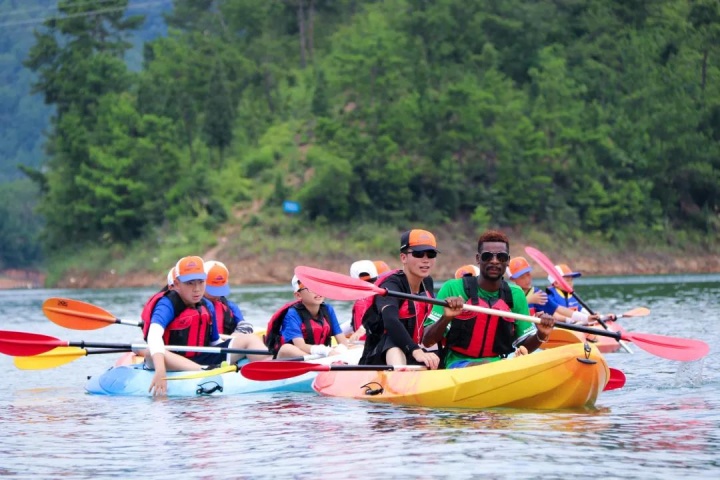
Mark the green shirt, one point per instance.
(454, 288)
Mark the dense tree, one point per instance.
(594, 115)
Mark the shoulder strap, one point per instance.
(470, 285)
(506, 294)
(177, 302)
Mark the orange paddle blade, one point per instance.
(78, 315)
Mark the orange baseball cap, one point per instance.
(518, 266)
(381, 267)
(418, 240)
(218, 277)
(469, 270)
(565, 271)
(190, 268)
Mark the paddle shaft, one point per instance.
(502, 313)
(50, 344)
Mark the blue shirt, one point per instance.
(163, 313)
(549, 307)
(292, 324)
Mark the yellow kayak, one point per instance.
(569, 376)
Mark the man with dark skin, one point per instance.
(473, 338)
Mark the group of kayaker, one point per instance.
(193, 310)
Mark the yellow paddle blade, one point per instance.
(51, 359)
(205, 373)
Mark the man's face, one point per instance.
(492, 267)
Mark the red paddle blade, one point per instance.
(672, 348)
(278, 370)
(336, 285)
(23, 344)
(617, 380)
(548, 266)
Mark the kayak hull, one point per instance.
(563, 377)
(560, 337)
(133, 380)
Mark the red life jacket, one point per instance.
(480, 335)
(223, 316)
(412, 314)
(191, 326)
(316, 331)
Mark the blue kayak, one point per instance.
(134, 380)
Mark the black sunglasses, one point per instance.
(429, 253)
(502, 257)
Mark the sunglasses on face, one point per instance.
(429, 253)
(502, 257)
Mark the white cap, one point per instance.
(364, 269)
(296, 283)
(171, 277)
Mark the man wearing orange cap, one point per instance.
(474, 338)
(395, 326)
(181, 316)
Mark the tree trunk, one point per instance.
(311, 30)
(301, 28)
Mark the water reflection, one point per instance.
(664, 423)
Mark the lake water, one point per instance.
(665, 422)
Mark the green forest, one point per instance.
(580, 117)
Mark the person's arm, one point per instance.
(241, 326)
(162, 315)
(335, 329)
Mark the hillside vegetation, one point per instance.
(584, 119)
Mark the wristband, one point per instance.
(537, 335)
(319, 350)
(579, 317)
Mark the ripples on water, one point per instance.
(664, 423)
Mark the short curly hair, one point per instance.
(493, 236)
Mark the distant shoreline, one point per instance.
(278, 270)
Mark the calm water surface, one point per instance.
(665, 423)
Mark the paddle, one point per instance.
(234, 368)
(617, 379)
(342, 287)
(24, 344)
(278, 370)
(549, 267)
(57, 357)
(78, 315)
(635, 312)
